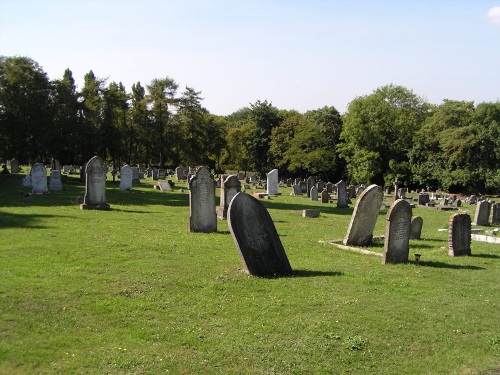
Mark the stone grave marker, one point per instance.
(229, 188)
(296, 190)
(272, 182)
(482, 213)
(55, 182)
(325, 196)
(164, 186)
(416, 227)
(397, 233)
(311, 181)
(329, 187)
(126, 177)
(495, 213)
(256, 238)
(95, 185)
(459, 230)
(341, 194)
(313, 194)
(364, 217)
(303, 186)
(135, 175)
(14, 166)
(202, 215)
(423, 199)
(39, 179)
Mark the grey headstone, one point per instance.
(311, 181)
(135, 175)
(39, 179)
(126, 178)
(364, 217)
(164, 186)
(14, 166)
(397, 233)
(95, 185)
(256, 238)
(325, 197)
(202, 215)
(495, 213)
(341, 194)
(423, 199)
(55, 182)
(272, 182)
(313, 194)
(296, 190)
(229, 188)
(482, 213)
(416, 227)
(459, 230)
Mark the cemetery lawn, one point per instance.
(132, 291)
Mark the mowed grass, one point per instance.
(132, 291)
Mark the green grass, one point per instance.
(132, 291)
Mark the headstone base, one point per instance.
(102, 206)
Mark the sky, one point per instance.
(300, 55)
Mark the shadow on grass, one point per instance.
(9, 220)
(324, 209)
(491, 256)
(451, 266)
(311, 273)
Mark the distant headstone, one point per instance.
(39, 179)
(303, 186)
(14, 166)
(272, 182)
(55, 182)
(135, 175)
(325, 197)
(229, 188)
(458, 203)
(95, 185)
(311, 181)
(459, 230)
(313, 194)
(397, 233)
(472, 199)
(495, 213)
(482, 213)
(126, 178)
(202, 215)
(164, 186)
(423, 199)
(310, 213)
(320, 185)
(162, 173)
(256, 238)
(364, 217)
(296, 190)
(329, 187)
(27, 181)
(341, 194)
(416, 227)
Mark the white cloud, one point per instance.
(494, 14)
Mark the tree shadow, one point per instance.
(490, 256)
(451, 266)
(325, 208)
(10, 220)
(312, 273)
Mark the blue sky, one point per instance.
(299, 55)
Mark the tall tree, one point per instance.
(137, 138)
(115, 121)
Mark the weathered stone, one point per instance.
(164, 186)
(202, 215)
(325, 197)
(126, 178)
(272, 182)
(296, 190)
(313, 194)
(416, 227)
(95, 185)
(229, 188)
(310, 213)
(423, 199)
(39, 179)
(341, 194)
(364, 217)
(256, 238)
(311, 181)
(55, 182)
(482, 213)
(135, 175)
(495, 213)
(459, 232)
(14, 166)
(397, 233)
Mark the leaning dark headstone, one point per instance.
(459, 235)
(397, 233)
(95, 185)
(229, 188)
(416, 227)
(482, 213)
(202, 215)
(256, 238)
(364, 217)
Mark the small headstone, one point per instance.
(14, 166)
(272, 182)
(164, 186)
(126, 178)
(229, 188)
(364, 217)
(329, 187)
(423, 199)
(325, 197)
(459, 232)
(95, 185)
(55, 182)
(39, 179)
(495, 213)
(397, 233)
(296, 190)
(135, 175)
(303, 187)
(341, 194)
(472, 199)
(256, 238)
(311, 181)
(482, 213)
(458, 203)
(313, 194)
(416, 227)
(310, 213)
(202, 215)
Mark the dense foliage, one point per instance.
(391, 133)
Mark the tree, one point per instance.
(115, 121)
(137, 140)
(378, 131)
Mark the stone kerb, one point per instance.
(256, 238)
(229, 188)
(364, 217)
(397, 233)
(459, 235)
(126, 177)
(95, 185)
(202, 215)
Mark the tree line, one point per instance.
(388, 134)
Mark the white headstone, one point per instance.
(39, 179)
(272, 182)
(126, 178)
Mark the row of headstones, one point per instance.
(483, 211)
(37, 180)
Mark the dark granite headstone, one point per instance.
(256, 238)
(202, 215)
(397, 233)
(459, 235)
(416, 227)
